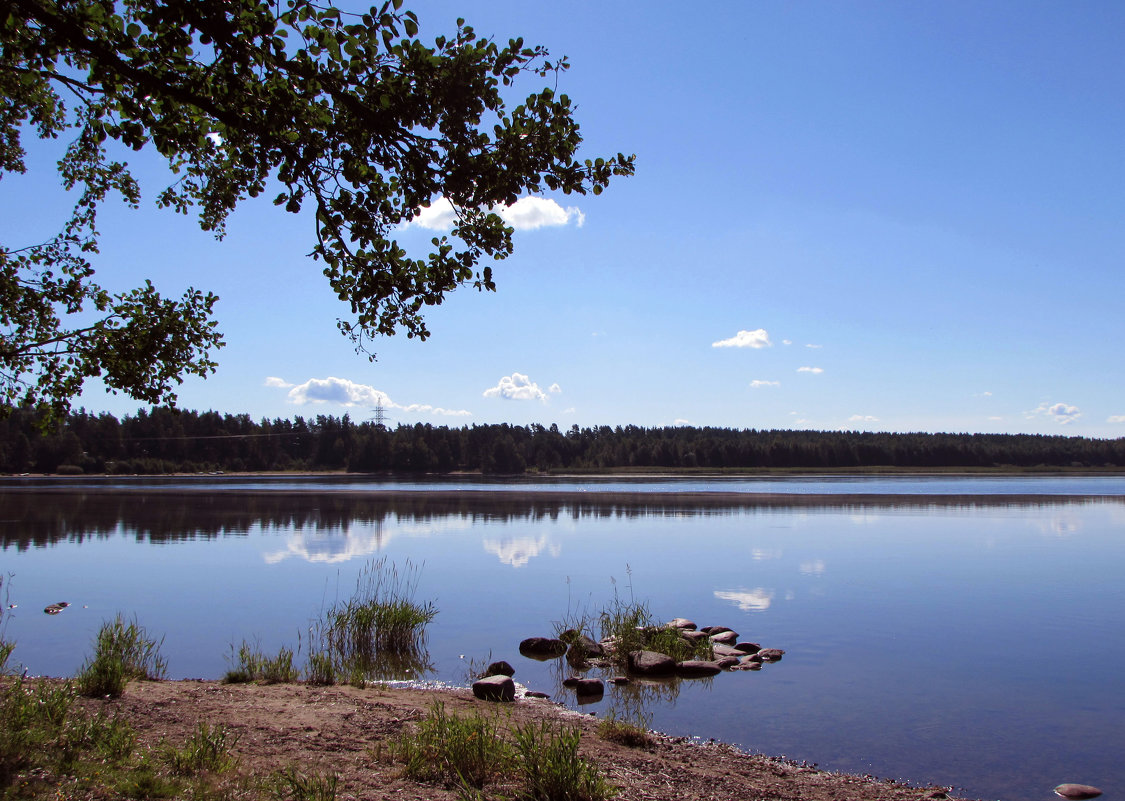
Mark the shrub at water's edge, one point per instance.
(250, 664)
(122, 651)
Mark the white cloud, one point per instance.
(348, 393)
(1062, 413)
(531, 212)
(1116, 418)
(814, 370)
(516, 386)
(863, 418)
(786, 342)
(526, 214)
(554, 389)
(814, 347)
(745, 339)
(680, 421)
(758, 383)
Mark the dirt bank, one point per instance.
(340, 730)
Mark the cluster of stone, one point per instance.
(581, 651)
(54, 609)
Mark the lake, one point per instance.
(964, 631)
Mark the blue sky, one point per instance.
(846, 215)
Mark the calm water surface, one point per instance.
(969, 640)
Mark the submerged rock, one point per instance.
(1077, 792)
(747, 647)
(54, 609)
(495, 688)
(770, 654)
(542, 648)
(697, 669)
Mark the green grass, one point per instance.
(292, 785)
(122, 651)
(551, 768)
(538, 761)
(250, 664)
(455, 751)
(378, 633)
(623, 732)
(207, 749)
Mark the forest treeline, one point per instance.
(162, 440)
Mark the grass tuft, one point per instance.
(292, 785)
(551, 768)
(250, 664)
(122, 651)
(456, 751)
(378, 633)
(623, 732)
(207, 749)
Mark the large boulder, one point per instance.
(495, 688)
(651, 663)
(542, 648)
(500, 668)
(583, 648)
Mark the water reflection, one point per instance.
(518, 551)
(756, 600)
(36, 518)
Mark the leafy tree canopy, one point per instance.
(350, 115)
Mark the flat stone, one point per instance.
(771, 654)
(727, 637)
(747, 647)
(722, 649)
(682, 623)
(619, 680)
(1076, 792)
(535, 694)
(697, 668)
(495, 688)
(714, 629)
(727, 662)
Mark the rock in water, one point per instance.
(500, 668)
(651, 663)
(1077, 792)
(542, 647)
(495, 688)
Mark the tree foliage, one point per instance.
(348, 115)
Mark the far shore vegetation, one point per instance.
(164, 441)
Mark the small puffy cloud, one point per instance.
(526, 214)
(758, 383)
(745, 339)
(863, 418)
(349, 393)
(554, 389)
(1062, 413)
(786, 342)
(516, 386)
(680, 421)
(814, 347)
(813, 370)
(531, 212)
(1116, 418)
